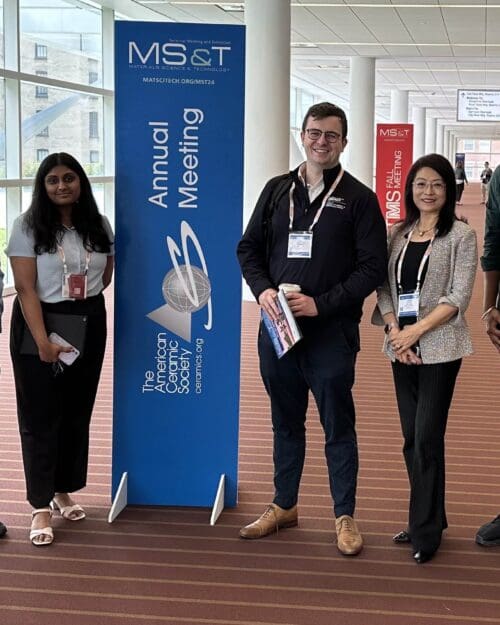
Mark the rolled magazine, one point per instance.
(283, 330)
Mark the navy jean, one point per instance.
(322, 362)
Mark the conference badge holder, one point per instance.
(300, 244)
(74, 286)
(408, 304)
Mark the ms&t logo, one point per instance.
(186, 288)
(177, 54)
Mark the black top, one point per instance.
(409, 273)
(349, 250)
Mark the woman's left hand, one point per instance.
(408, 357)
(404, 339)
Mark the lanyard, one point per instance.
(62, 255)
(320, 210)
(422, 262)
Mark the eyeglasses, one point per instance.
(314, 134)
(437, 187)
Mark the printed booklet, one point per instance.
(284, 331)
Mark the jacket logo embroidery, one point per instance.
(336, 202)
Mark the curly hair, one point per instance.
(43, 217)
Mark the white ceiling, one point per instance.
(429, 48)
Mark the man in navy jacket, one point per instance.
(319, 228)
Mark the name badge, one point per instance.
(408, 304)
(300, 244)
(74, 285)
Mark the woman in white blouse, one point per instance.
(61, 252)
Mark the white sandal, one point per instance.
(68, 512)
(36, 534)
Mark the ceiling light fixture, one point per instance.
(226, 6)
(323, 67)
(303, 44)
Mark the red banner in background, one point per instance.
(394, 159)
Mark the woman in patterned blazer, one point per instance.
(432, 266)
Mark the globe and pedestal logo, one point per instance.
(186, 288)
(183, 293)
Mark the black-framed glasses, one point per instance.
(314, 134)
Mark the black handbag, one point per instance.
(72, 328)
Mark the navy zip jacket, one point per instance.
(349, 251)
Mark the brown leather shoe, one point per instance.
(349, 540)
(273, 519)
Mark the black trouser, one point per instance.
(323, 363)
(54, 410)
(460, 190)
(424, 394)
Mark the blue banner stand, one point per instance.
(179, 196)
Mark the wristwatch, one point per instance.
(390, 326)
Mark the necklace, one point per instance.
(422, 232)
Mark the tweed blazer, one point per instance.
(449, 279)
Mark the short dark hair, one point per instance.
(44, 219)
(326, 109)
(443, 168)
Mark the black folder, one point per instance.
(71, 328)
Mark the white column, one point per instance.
(430, 135)
(446, 143)
(418, 119)
(452, 147)
(439, 138)
(267, 100)
(361, 119)
(399, 106)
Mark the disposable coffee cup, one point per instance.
(287, 287)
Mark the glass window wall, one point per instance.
(2, 130)
(2, 39)
(63, 38)
(69, 122)
(64, 106)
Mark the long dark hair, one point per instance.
(43, 217)
(441, 166)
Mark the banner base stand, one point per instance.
(121, 499)
(219, 500)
